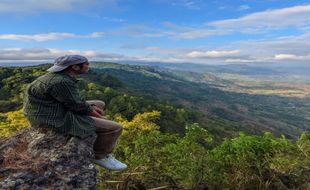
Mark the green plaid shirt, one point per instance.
(53, 100)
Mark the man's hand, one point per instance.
(98, 109)
(94, 113)
(97, 112)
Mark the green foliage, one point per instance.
(304, 143)
(256, 162)
(13, 82)
(11, 122)
(185, 160)
(180, 160)
(193, 162)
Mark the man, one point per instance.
(53, 101)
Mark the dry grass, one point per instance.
(135, 178)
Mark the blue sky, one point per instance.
(181, 31)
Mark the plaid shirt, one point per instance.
(53, 100)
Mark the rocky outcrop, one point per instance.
(43, 159)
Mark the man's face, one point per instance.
(85, 68)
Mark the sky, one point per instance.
(177, 31)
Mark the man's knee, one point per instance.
(98, 103)
(119, 128)
(101, 104)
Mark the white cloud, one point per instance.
(33, 6)
(198, 33)
(213, 54)
(182, 32)
(244, 7)
(297, 16)
(37, 37)
(292, 57)
(110, 19)
(95, 35)
(243, 60)
(285, 57)
(47, 36)
(140, 31)
(189, 4)
(26, 54)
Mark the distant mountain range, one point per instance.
(245, 69)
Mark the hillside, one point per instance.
(208, 94)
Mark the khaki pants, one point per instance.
(107, 133)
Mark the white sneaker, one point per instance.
(110, 162)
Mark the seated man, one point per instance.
(53, 101)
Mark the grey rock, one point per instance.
(44, 159)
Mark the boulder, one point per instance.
(43, 159)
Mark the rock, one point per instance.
(43, 159)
